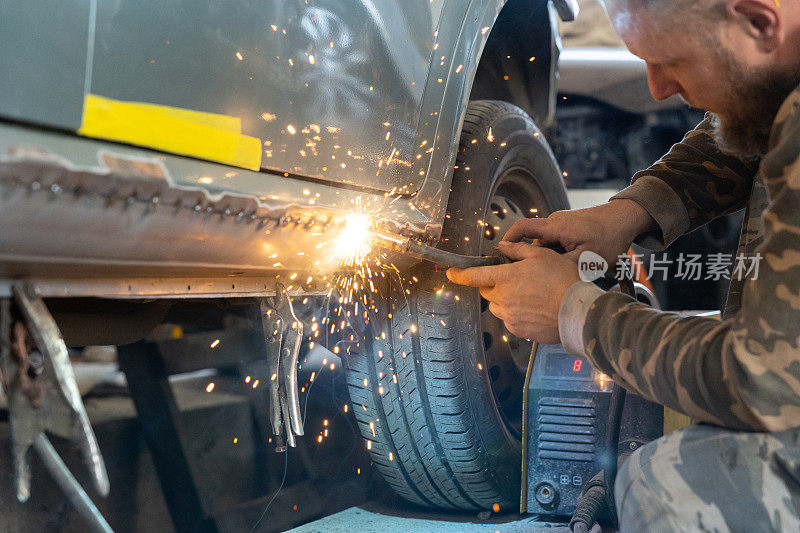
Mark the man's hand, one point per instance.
(607, 229)
(527, 294)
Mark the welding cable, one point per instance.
(280, 487)
(615, 408)
(616, 405)
(591, 501)
(600, 489)
(72, 489)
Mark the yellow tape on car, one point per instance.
(198, 134)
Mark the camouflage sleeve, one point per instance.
(692, 184)
(743, 372)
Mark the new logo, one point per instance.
(591, 266)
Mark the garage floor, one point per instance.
(377, 517)
(329, 486)
(236, 480)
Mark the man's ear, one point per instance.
(762, 20)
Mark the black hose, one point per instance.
(599, 492)
(580, 527)
(615, 408)
(592, 500)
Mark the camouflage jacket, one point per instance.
(744, 371)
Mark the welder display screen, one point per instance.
(567, 365)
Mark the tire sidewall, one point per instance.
(480, 166)
(452, 445)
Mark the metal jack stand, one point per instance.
(43, 396)
(148, 365)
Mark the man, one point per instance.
(740, 61)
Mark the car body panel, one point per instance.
(321, 85)
(72, 208)
(387, 152)
(43, 66)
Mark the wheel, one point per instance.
(438, 393)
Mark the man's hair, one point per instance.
(671, 6)
(675, 13)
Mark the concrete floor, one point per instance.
(327, 486)
(237, 482)
(377, 517)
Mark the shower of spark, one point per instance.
(355, 309)
(354, 242)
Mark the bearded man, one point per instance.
(740, 468)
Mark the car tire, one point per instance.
(425, 392)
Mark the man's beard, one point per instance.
(754, 99)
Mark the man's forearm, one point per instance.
(633, 217)
(692, 184)
(667, 216)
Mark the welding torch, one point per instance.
(443, 258)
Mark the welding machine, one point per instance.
(567, 404)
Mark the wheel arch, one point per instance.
(489, 32)
(523, 29)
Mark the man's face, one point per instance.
(705, 72)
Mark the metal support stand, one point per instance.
(159, 417)
(70, 486)
(147, 372)
(43, 396)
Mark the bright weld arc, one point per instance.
(354, 242)
(352, 247)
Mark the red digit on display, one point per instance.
(576, 366)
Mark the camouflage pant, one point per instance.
(705, 478)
